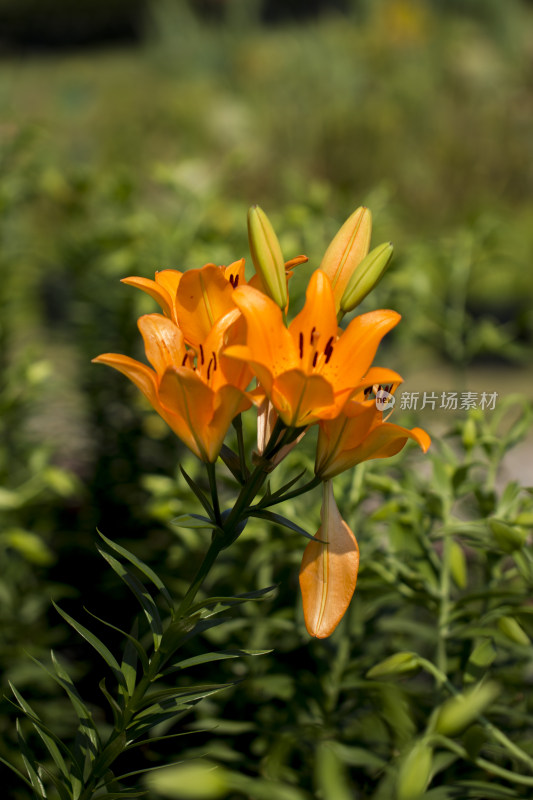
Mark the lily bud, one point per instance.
(396, 666)
(415, 772)
(460, 711)
(267, 256)
(328, 573)
(367, 275)
(347, 250)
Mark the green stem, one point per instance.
(210, 467)
(445, 606)
(237, 424)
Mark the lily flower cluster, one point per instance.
(223, 344)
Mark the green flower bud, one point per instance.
(515, 632)
(267, 256)
(346, 251)
(460, 711)
(508, 537)
(415, 772)
(396, 666)
(367, 275)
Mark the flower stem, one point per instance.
(214, 491)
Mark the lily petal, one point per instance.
(316, 324)
(163, 342)
(356, 347)
(182, 391)
(204, 295)
(155, 290)
(142, 376)
(267, 337)
(300, 398)
(328, 573)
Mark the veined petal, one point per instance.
(328, 573)
(169, 279)
(268, 339)
(338, 435)
(300, 398)
(228, 402)
(383, 441)
(204, 295)
(142, 376)
(182, 391)
(355, 349)
(316, 324)
(245, 355)
(163, 342)
(155, 290)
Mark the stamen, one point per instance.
(185, 357)
(202, 360)
(315, 359)
(209, 368)
(214, 360)
(312, 335)
(236, 280)
(368, 391)
(328, 350)
(301, 339)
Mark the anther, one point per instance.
(301, 339)
(202, 355)
(214, 360)
(185, 357)
(315, 359)
(209, 368)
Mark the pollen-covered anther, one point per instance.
(328, 350)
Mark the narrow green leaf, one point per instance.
(207, 658)
(129, 660)
(19, 774)
(186, 695)
(120, 795)
(131, 639)
(154, 739)
(199, 493)
(87, 729)
(148, 722)
(113, 748)
(142, 567)
(141, 593)
(30, 764)
(49, 739)
(193, 521)
(280, 520)
(115, 708)
(232, 600)
(231, 460)
(99, 646)
(277, 496)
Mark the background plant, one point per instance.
(429, 125)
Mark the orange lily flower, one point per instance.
(309, 369)
(360, 433)
(196, 299)
(198, 401)
(328, 573)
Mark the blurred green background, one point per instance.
(133, 137)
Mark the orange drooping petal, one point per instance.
(155, 290)
(204, 295)
(142, 376)
(299, 398)
(163, 342)
(328, 573)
